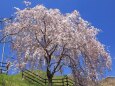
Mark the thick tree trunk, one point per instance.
(50, 82)
(49, 76)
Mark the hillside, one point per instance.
(16, 80)
(109, 81)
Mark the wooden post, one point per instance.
(6, 72)
(0, 71)
(45, 81)
(63, 81)
(22, 74)
(67, 80)
(1, 68)
(7, 67)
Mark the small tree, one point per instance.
(49, 39)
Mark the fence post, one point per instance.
(63, 81)
(67, 80)
(1, 71)
(45, 81)
(6, 72)
(22, 74)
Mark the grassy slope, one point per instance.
(13, 80)
(16, 80)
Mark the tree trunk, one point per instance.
(50, 82)
(49, 76)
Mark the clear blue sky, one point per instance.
(100, 13)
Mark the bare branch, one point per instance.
(59, 61)
(53, 49)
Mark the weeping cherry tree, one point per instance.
(47, 38)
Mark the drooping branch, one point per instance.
(11, 34)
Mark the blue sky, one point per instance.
(100, 13)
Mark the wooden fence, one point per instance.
(32, 77)
(3, 68)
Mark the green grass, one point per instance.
(14, 80)
(17, 80)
